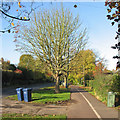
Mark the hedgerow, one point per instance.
(102, 84)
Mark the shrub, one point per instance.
(12, 67)
(7, 77)
(101, 85)
(115, 87)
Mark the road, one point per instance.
(88, 107)
(12, 90)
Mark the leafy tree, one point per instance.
(7, 66)
(26, 61)
(55, 38)
(83, 65)
(100, 67)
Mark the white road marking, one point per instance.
(98, 116)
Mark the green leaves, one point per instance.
(83, 64)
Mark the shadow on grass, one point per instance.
(44, 91)
(50, 91)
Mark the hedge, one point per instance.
(102, 84)
(11, 78)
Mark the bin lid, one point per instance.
(110, 92)
(25, 89)
(113, 93)
(19, 88)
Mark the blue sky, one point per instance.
(93, 16)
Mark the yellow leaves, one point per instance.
(109, 10)
(25, 18)
(12, 24)
(19, 4)
(114, 15)
(17, 10)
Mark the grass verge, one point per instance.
(20, 116)
(47, 95)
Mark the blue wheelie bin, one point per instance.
(27, 94)
(19, 94)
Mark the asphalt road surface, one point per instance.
(87, 107)
(12, 90)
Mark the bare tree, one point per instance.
(54, 37)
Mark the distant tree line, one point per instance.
(25, 73)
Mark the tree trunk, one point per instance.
(65, 82)
(57, 90)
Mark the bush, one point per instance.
(23, 77)
(101, 85)
(12, 67)
(115, 83)
(7, 77)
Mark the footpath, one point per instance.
(82, 106)
(88, 107)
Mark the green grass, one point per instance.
(47, 95)
(19, 116)
(92, 93)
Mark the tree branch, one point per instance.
(14, 17)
